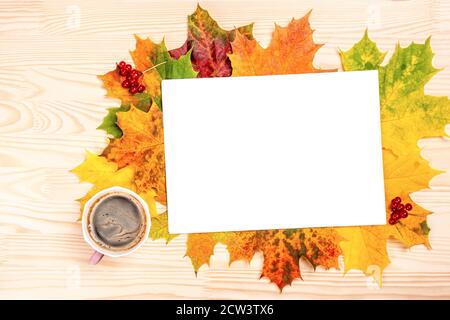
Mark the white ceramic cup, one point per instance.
(100, 251)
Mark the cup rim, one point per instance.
(84, 221)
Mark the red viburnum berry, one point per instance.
(123, 72)
(403, 214)
(134, 74)
(126, 84)
(408, 206)
(133, 90)
(141, 88)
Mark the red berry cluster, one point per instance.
(132, 77)
(399, 210)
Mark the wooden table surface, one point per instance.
(51, 103)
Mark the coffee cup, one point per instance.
(115, 222)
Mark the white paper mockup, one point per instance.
(273, 152)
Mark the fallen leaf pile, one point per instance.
(134, 157)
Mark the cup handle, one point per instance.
(95, 258)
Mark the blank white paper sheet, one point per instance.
(273, 152)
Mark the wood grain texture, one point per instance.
(51, 102)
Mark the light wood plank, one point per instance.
(51, 102)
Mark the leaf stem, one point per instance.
(151, 68)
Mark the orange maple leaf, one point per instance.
(142, 146)
(291, 50)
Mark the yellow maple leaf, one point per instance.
(149, 197)
(402, 175)
(104, 174)
(364, 248)
(415, 117)
(200, 248)
(94, 168)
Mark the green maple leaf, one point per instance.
(407, 113)
(171, 68)
(408, 70)
(109, 123)
(364, 55)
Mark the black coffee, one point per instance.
(117, 221)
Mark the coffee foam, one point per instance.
(116, 221)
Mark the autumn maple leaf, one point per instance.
(210, 44)
(142, 147)
(407, 115)
(283, 249)
(291, 50)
